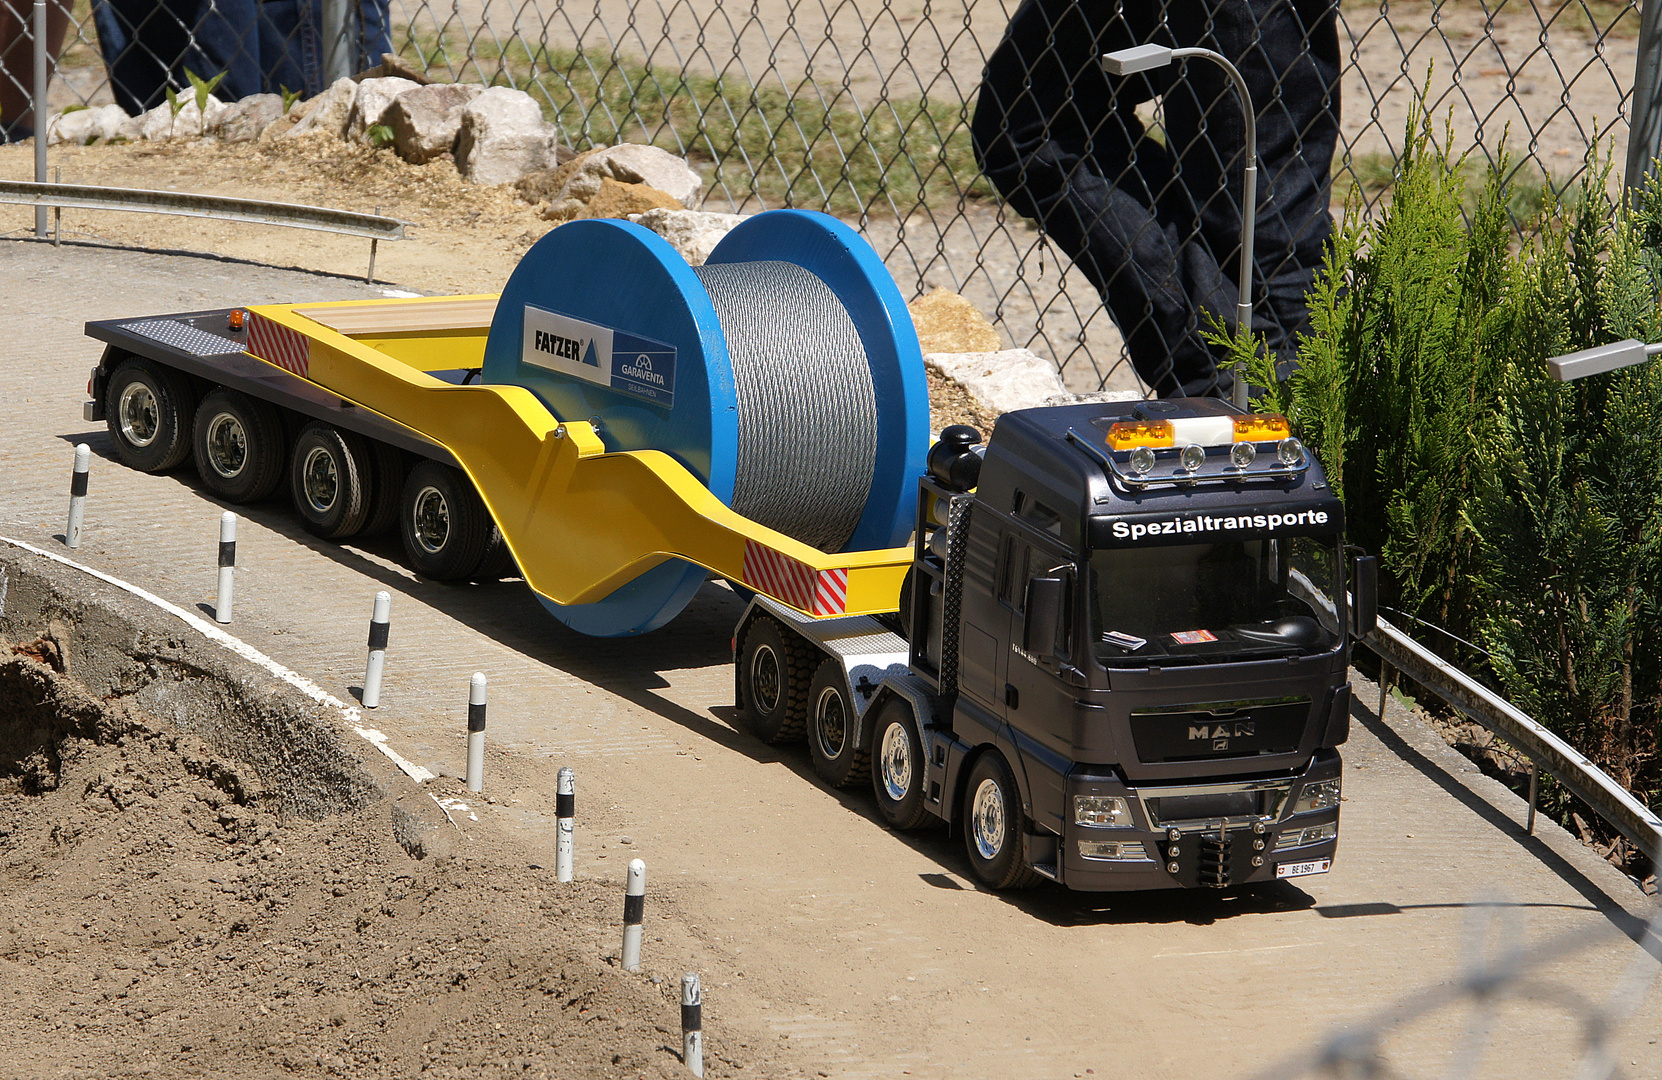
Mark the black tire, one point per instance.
(386, 489)
(443, 522)
(897, 766)
(833, 729)
(992, 822)
(329, 477)
(238, 446)
(498, 561)
(773, 682)
(150, 412)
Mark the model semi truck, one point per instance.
(1113, 653)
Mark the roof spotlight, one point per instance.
(1242, 454)
(1142, 460)
(1290, 451)
(1193, 457)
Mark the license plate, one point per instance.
(1303, 869)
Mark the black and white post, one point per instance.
(634, 907)
(78, 495)
(476, 732)
(692, 1024)
(565, 811)
(379, 624)
(227, 565)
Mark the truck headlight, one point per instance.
(1103, 811)
(1321, 795)
(1113, 850)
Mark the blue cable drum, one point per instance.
(810, 423)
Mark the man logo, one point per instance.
(1229, 729)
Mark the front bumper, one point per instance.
(1212, 835)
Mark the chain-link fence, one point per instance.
(874, 110)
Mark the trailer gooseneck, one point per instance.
(1113, 655)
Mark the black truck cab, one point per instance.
(1151, 632)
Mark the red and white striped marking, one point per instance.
(277, 344)
(818, 592)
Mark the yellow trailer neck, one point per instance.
(581, 522)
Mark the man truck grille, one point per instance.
(1221, 729)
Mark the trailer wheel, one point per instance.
(498, 562)
(773, 675)
(238, 446)
(386, 489)
(149, 411)
(992, 825)
(444, 524)
(833, 729)
(329, 474)
(897, 771)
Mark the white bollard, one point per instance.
(634, 905)
(476, 732)
(565, 806)
(379, 624)
(78, 495)
(227, 565)
(692, 1024)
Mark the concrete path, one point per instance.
(871, 952)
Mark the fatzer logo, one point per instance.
(564, 347)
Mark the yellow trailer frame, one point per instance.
(581, 522)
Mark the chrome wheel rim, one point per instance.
(987, 819)
(897, 762)
(320, 479)
(139, 413)
(431, 520)
(830, 723)
(227, 445)
(766, 682)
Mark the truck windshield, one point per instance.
(1212, 603)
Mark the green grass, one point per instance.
(1531, 189)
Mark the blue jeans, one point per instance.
(262, 47)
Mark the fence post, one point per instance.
(42, 115)
(1644, 138)
(338, 40)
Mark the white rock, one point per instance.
(1002, 382)
(425, 121)
(84, 125)
(370, 106)
(329, 111)
(693, 233)
(244, 120)
(635, 163)
(503, 137)
(161, 124)
(1096, 397)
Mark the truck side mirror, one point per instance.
(1042, 629)
(1364, 595)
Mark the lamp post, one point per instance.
(1600, 359)
(1149, 57)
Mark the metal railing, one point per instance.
(1545, 751)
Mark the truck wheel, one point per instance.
(386, 489)
(238, 446)
(498, 561)
(833, 729)
(897, 772)
(329, 480)
(992, 825)
(773, 675)
(149, 411)
(444, 523)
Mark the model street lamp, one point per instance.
(1149, 57)
(1600, 359)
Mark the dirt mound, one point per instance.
(158, 917)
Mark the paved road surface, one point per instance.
(870, 951)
